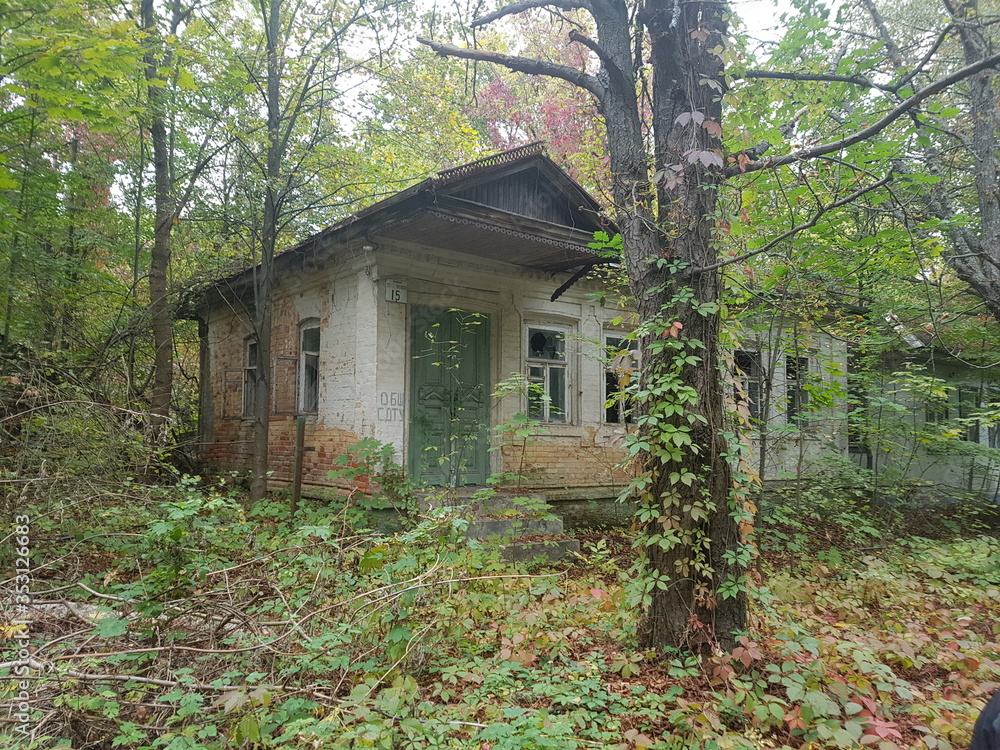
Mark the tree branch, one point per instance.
(819, 77)
(610, 65)
(796, 229)
(932, 50)
(890, 45)
(905, 106)
(509, 10)
(522, 65)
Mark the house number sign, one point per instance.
(395, 291)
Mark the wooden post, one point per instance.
(300, 437)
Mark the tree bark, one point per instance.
(264, 272)
(159, 264)
(976, 259)
(687, 113)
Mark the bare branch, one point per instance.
(890, 45)
(513, 8)
(522, 65)
(819, 77)
(796, 229)
(72, 674)
(927, 58)
(875, 128)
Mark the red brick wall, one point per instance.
(551, 463)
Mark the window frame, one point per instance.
(251, 365)
(796, 397)
(307, 396)
(968, 407)
(548, 366)
(747, 380)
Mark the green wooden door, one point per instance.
(449, 397)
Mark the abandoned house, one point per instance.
(433, 318)
(401, 322)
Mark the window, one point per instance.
(622, 358)
(748, 373)
(936, 411)
(968, 407)
(309, 368)
(250, 377)
(546, 364)
(796, 374)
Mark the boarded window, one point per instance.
(232, 394)
(284, 375)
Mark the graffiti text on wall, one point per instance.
(390, 407)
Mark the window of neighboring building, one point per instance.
(249, 377)
(936, 410)
(968, 407)
(622, 359)
(748, 372)
(309, 367)
(547, 379)
(797, 398)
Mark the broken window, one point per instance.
(547, 383)
(309, 367)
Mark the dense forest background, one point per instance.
(148, 148)
(135, 167)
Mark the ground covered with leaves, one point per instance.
(184, 617)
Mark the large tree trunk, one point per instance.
(976, 259)
(691, 518)
(691, 486)
(159, 264)
(264, 280)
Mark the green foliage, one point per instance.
(311, 630)
(369, 466)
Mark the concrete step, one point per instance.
(506, 517)
(479, 499)
(513, 528)
(509, 503)
(551, 550)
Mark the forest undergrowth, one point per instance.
(181, 616)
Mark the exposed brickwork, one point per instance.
(549, 462)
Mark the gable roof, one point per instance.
(517, 206)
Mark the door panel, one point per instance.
(449, 387)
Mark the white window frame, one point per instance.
(308, 391)
(544, 379)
